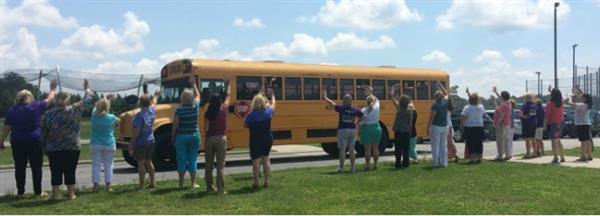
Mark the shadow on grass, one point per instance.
(196, 195)
(162, 191)
(125, 170)
(245, 190)
(37, 203)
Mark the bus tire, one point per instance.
(385, 139)
(360, 149)
(164, 151)
(330, 148)
(129, 158)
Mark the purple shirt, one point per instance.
(347, 115)
(529, 112)
(540, 114)
(145, 120)
(25, 121)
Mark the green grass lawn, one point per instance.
(6, 155)
(488, 188)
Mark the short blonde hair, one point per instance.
(62, 99)
(24, 97)
(347, 100)
(259, 102)
(371, 101)
(529, 97)
(187, 97)
(102, 106)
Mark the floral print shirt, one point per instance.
(60, 127)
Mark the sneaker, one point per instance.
(555, 161)
(590, 159)
(508, 158)
(562, 160)
(340, 170)
(581, 159)
(498, 158)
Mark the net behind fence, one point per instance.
(101, 82)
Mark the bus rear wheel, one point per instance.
(330, 148)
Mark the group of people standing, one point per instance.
(51, 127)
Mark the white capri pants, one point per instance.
(102, 155)
(439, 142)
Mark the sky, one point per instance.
(480, 43)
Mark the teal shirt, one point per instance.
(102, 129)
(441, 117)
(188, 118)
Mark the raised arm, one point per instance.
(395, 99)
(443, 89)
(468, 92)
(87, 97)
(495, 90)
(155, 98)
(194, 82)
(227, 93)
(330, 103)
(273, 101)
(52, 92)
(550, 89)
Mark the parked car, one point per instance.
(569, 129)
(488, 127)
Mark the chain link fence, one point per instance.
(588, 79)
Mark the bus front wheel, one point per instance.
(129, 158)
(164, 152)
(330, 148)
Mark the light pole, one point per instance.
(574, 66)
(539, 88)
(556, 4)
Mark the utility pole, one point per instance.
(539, 92)
(556, 4)
(574, 66)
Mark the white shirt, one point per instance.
(582, 114)
(474, 114)
(371, 117)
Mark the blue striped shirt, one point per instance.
(188, 118)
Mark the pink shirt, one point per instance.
(554, 115)
(503, 114)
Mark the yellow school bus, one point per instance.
(301, 116)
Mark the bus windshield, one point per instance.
(171, 90)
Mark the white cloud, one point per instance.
(489, 55)
(374, 14)
(345, 41)
(251, 23)
(437, 56)
(502, 16)
(207, 48)
(21, 52)
(305, 19)
(35, 13)
(99, 42)
(144, 66)
(304, 44)
(522, 53)
(208, 44)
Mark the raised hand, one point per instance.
(86, 84)
(192, 80)
(157, 92)
(109, 97)
(53, 84)
(494, 89)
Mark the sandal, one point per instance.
(581, 159)
(555, 161)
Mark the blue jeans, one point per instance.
(186, 148)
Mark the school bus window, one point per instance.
(248, 86)
(210, 87)
(292, 88)
(395, 85)
(312, 90)
(359, 83)
(408, 88)
(330, 86)
(422, 90)
(275, 83)
(347, 86)
(379, 89)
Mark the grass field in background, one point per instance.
(488, 188)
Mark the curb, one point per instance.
(5, 167)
